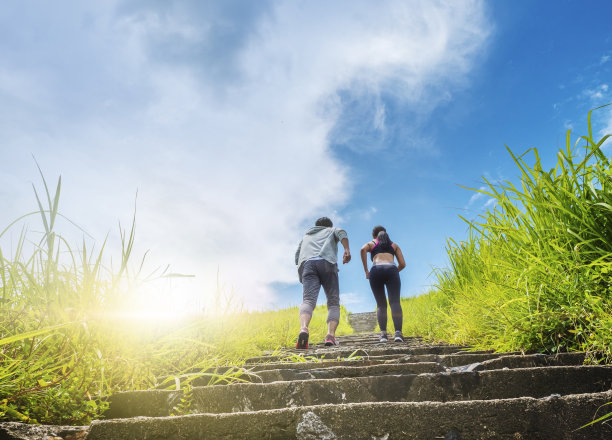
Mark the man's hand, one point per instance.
(346, 257)
(367, 275)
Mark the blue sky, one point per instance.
(239, 123)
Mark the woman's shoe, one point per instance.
(398, 337)
(383, 337)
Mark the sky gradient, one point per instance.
(239, 123)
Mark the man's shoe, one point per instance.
(383, 337)
(302, 342)
(330, 340)
(398, 337)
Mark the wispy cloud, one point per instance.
(607, 129)
(368, 213)
(220, 114)
(476, 198)
(350, 298)
(597, 94)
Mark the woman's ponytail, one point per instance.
(383, 238)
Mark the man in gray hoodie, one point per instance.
(316, 258)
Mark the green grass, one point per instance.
(66, 344)
(534, 272)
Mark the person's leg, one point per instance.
(331, 287)
(331, 327)
(394, 287)
(377, 283)
(305, 320)
(311, 286)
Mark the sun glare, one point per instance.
(164, 301)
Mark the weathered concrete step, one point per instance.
(363, 322)
(308, 365)
(488, 361)
(347, 369)
(367, 340)
(494, 384)
(289, 374)
(24, 431)
(533, 360)
(341, 352)
(448, 360)
(521, 418)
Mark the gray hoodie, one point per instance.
(320, 241)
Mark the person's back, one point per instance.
(319, 242)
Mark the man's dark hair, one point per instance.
(377, 229)
(325, 222)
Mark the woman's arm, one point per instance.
(364, 258)
(400, 257)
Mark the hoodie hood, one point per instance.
(316, 229)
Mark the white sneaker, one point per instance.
(383, 337)
(398, 337)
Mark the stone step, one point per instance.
(493, 384)
(328, 370)
(449, 360)
(363, 322)
(552, 417)
(343, 353)
(290, 374)
(271, 372)
(24, 431)
(534, 360)
(369, 343)
(386, 367)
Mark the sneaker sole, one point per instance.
(302, 343)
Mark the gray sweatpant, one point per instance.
(317, 273)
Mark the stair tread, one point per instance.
(524, 417)
(446, 386)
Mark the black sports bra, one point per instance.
(381, 249)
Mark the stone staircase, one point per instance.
(363, 322)
(363, 389)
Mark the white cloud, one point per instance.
(348, 298)
(368, 213)
(490, 202)
(476, 196)
(225, 138)
(607, 130)
(597, 94)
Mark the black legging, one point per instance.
(387, 275)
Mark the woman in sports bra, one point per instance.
(383, 273)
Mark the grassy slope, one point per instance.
(534, 273)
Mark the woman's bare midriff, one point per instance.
(384, 258)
